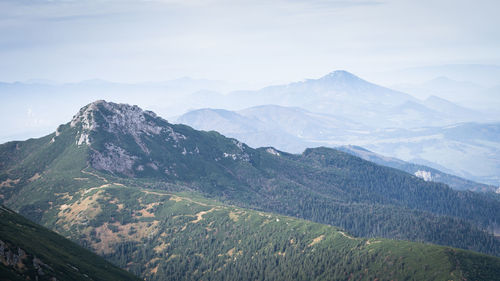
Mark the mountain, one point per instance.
(253, 131)
(30, 106)
(289, 128)
(478, 74)
(295, 129)
(134, 188)
(31, 252)
(452, 109)
(325, 185)
(424, 172)
(341, 93)
(442, 87)
(301, 123)
(467, 150)
(161, 236)
(484, 100)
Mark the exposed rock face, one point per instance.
(272, 151)
(10, 256)
(86, 120)
(130, 120)
(115, 118)
(120, 123)
(113, 159)
(425, 175)
(126, 140)
(17, 258)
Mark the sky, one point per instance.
(255, 42)
(251, 44)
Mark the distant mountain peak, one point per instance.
(341, 75)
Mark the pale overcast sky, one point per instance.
(261, 41)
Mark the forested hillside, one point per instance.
(138, 148)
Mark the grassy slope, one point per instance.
(65, 260)
(184, 236)
(161, 235)
(322, 185)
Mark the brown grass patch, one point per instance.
(115, 201)
(317, 240)
(161, 248)
(97, 187)
(64, 196)
(175, 198)
(199, 216)
(154, 270)
(172, 257)
(145, 212)
(234, 216)
(34, 177)
(9, 182)
(346, 235)
(80, 211)
(108, 238)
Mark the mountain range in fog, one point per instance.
(341, 109)
(336, 109)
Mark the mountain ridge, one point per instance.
(427, 173)
(411, 144)
(136, 147)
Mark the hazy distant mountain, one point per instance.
(491, 96)
(452, 109)
(288, 128)
(295, 129)
(469, 150)
(301, 123)
(443, 87)
(479, 74)
(484, 100)
(338, 93)
(341, 93)
(253, 131)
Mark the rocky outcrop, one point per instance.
(85, 120)
(113, 159)
(24, 264)
(126, 140)
(115, 118)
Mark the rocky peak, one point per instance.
(115, 118)
(108, 128)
